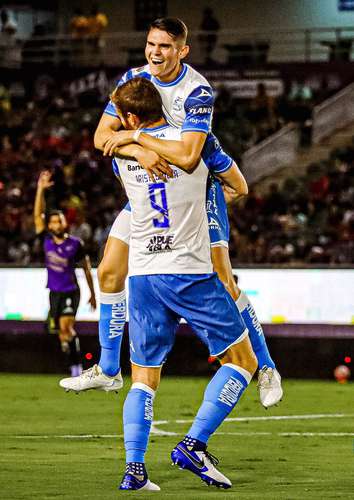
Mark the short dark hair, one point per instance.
(53, 213)
(140, 97)
(173, 26)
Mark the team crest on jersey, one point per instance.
(158, 244)
(204, 93)
(177, 104)
(213, 224)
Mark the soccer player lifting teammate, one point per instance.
(188, 104)
(171, 277)
(62, 253)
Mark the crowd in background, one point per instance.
(309, 219)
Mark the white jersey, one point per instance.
(187, 101)
(169, 225)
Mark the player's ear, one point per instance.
(184, 51)
(134, 121)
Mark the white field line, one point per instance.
(160, 432)
(272, 417)
(163, 433)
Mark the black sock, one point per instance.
(194, 444)
(136, 469)
(74, 351)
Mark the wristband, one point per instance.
(136, 135)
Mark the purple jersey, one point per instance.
(60, 261)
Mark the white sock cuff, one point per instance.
(245, 374)
(112, 298)
(143, 387)
(242, 302)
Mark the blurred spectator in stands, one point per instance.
(208, 39)
(81, 228)
(79, 24)
(275, 202)
(10, 53)
(262, 113)
(5, 102)
(97, 22)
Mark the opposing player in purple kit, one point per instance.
(188, 104)
(171, 277)
(62, 253)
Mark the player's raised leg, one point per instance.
(112, 273)
(269, 380)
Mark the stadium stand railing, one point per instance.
(333, 114)
(277, 151)
(232, 47)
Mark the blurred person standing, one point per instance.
(97, 22)
(62, 253)
(79, 25)
(208, 39)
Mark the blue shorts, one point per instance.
(219, 228)
(158, 302)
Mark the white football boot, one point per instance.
(201, 463)
(93, 378)
(269, 386)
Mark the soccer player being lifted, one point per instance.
(188, 104)
(62, 253)
(171, 277)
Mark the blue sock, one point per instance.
(110, 329)
(221, 396)
(256, 335)
(137, 419)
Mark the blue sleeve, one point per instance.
(115, 168)
(215, 157)
(199, 110)
(128, 207)
(110, 108)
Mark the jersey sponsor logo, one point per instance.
(199, 120)
(158, 244)
(202, 110)
(116, 324)
(177, 104)
(133, 168)
(231, 392)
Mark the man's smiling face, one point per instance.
(164, 54)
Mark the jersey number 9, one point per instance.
(155, 189)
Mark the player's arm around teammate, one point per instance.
(149, 160)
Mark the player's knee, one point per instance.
(66, 329)
(241, 355)
(251, 363)
(110, 280)
(147, 376)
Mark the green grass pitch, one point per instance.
(65, 446)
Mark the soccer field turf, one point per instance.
(65, 446)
